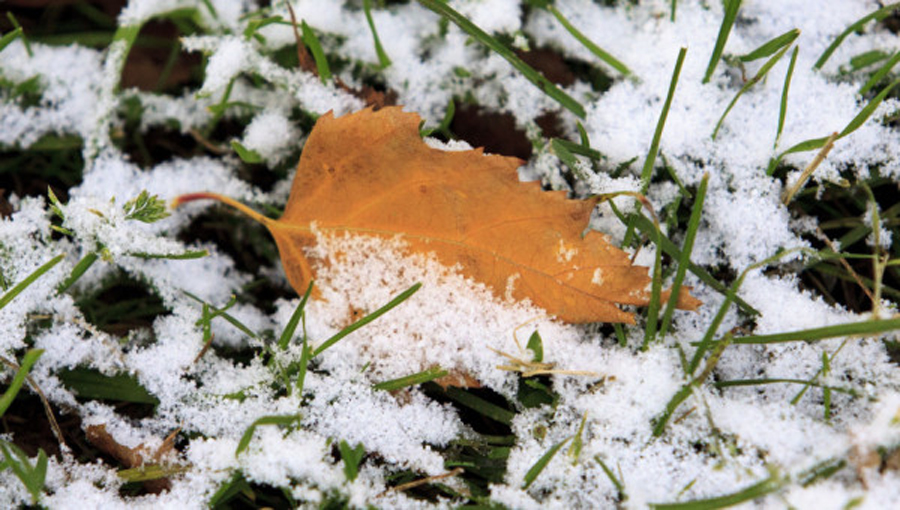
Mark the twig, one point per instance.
(533, 368)
(843, 261)
(211, 147)
(810, 168)
(423, 481)
(47, 409)
(306, 62)
(204, 349)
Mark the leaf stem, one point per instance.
(190, 197)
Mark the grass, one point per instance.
(126, 309)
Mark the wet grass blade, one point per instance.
(481, 36)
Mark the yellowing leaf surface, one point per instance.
(370, 173)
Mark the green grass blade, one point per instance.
(541, 463)
(820, 471)
(707, 342)
(620, 488)
(38, 475)
(480, 405)
(281, 420)
(80, 268)
(853, 125)
(659, 423)
(18, 28)
(562, 152)
(383, 60)
(247, 155)
(731, 11)
(650, 161)
(880, 73)
(769, 485)
(18, 380)
(31, 278)
(576, 148)
(782, 108)
(412, 379)
(867, 111)
(149, 472)
(878, 15)
(863, 328)
(90, 384)
(186, 255)
(646, 227)
(655, 293)
(770, 47)
(587, 43)
(305, 354)
(235, 485)
(31, 477)
(763, 71)
(481, 36)
(351, 458)
(685, 258)
(10, 37)
(291, 326)
(760, 382)
(312, 41)
(647, 170)
(536, 345)
(220, 312)
(403, 296)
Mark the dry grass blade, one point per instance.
(810, 168)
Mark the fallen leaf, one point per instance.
(370, 173)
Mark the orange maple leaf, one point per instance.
(370, 173)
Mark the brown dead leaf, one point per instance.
(132, 457)
(370, 173)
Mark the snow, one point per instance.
(730, 439)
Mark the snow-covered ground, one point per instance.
(733, 439)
